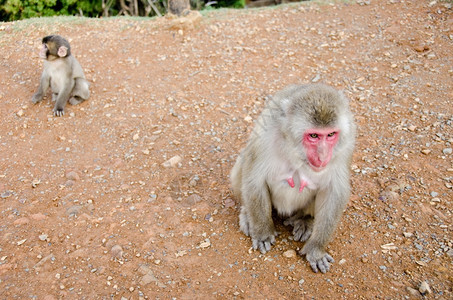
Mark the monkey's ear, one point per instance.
(62, 51)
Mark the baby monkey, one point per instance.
(63, 73)
(297, 161)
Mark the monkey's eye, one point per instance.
(331, 134)
(313, 135)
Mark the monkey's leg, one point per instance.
(43, 86)
(256, 221)
(302, 226)
(81, 91)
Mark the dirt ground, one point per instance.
(89, 210)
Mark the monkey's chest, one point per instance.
(287, 200)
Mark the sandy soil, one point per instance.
(89, 211)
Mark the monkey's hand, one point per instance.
(36, 98)
(318, 258)
(58, 112)
(302, 227)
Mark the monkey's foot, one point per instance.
(302, 227)
(319, 259)
(264, 245)
(76, 100)
(36, 98)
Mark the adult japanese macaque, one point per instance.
(63, 73)
(297, 161)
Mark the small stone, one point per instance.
(301, 281)
(426, 151)
(205, 244)
(424, 288)
(6, 194)
(408, 234)
(74, 210)
(38, 216)
(248, 119)
(21, 221)
(229, 202)
(72, 176)
(117, 252)
(43, 237)
(342, 261)
(172, 162)
(35, 183)
(434, 194)
(135, 137)
(289, 253)
(412, 128)
(447, 151)
(20, 113)
(191, 200)
(413, 291)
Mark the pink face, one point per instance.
(319, 144)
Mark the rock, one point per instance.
(148, 276)
(447, 151)
(192, 200)
(289, 253)
(229, 202)
(424, 288)
(172, 162)
(44, 260)
(72, 176)
(38, 217)
(117, 252)
(21, 221)
(73, 210)
(412, 291)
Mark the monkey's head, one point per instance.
(54, 46)
(318, 122)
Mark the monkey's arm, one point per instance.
(63, 97)
(329, 205)
(43, 86)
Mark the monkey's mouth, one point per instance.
(318, 167)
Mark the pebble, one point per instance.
(447, 151)
(38, 217)
(426, 151)
(229, 202)
(72, 176)
(424, 288)
(434, 194)
(117, 252)
(73, 210)
(172, 162)
(21, 221)
(413, 291)
(290, 253)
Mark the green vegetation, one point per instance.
(11, 10)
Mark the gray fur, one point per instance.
(63, 75)
(274, 152)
